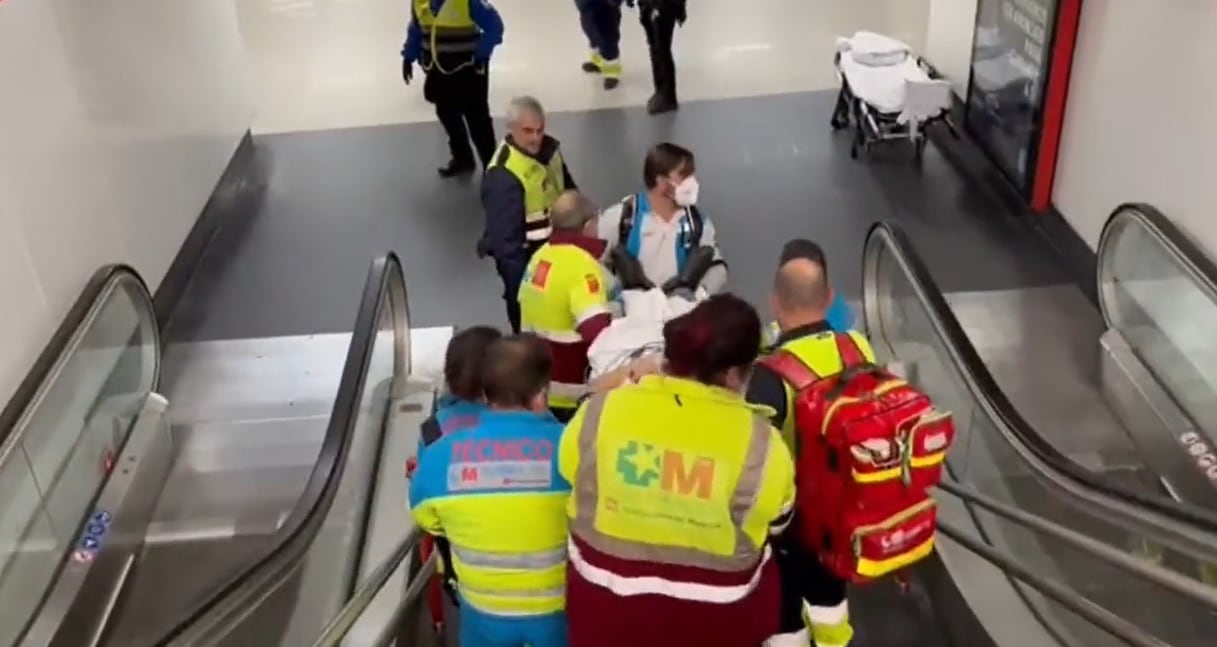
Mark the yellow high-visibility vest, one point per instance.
(672, 470)
(542, 183)
(563, 287)
(449, 31)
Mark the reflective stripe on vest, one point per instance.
(534, 561)
(451, 30)
(744, 556)
(518, 601)
(628, 586)
(542, 184)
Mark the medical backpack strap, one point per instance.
(698, 225)
(790, 369)
(626, 236)
(626, 223)
(851, 354)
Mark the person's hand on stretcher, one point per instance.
(629, 374)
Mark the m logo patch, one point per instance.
(540, 275)
(593, 283)
(647, 466)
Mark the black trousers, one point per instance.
(804, 577)
(660, 25)
(512, 274)
(462, 103)
(563, 415)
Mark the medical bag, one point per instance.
(868, 448)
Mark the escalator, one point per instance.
(248, 524)
(1001, 457)
(1125, 389)
(1034, 549)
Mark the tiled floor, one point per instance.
(321, 64)
(770, 167)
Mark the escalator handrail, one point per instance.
(1183, 586)
(1152, 510)
(1063, 595)
(336, 631)
(69, 333)
(1183, 250)
(385, 284)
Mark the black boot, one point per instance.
(697, 264)
(628, 270)
(456, 167)
(664, 98)
(659, 103)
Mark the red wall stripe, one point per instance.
(1067, 19)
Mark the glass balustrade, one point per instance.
(902, 327)
(59, 451)
(1165, 307)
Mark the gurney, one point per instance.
(886, 92)
(637, 333)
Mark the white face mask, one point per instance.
(685, 194)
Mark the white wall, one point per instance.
(1139, 124)
(949, 40)
(116, 120)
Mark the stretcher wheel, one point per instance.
(853, 150)
(839, 123)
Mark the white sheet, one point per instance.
(879, 70)
(638, 333)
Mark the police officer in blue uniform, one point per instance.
(452, 41)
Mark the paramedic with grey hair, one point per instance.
(525, 177)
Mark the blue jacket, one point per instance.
(493, 491)
(839, 315)
(485, 16)
(503, 203)
(451, 414)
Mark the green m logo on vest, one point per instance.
(645, 465)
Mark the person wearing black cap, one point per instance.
(801, 302)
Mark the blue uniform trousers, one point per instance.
(481, 629)
(601, 22)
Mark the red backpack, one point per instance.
(868, 446)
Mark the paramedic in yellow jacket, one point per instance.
(524, 178)
(801, 302)
(679, 484)
(563, 298)
(494, 492)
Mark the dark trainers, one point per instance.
(456, 167)
(659, 103)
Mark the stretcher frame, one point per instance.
(873, 126)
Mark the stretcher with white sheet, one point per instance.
(635, 334)
(887, 93)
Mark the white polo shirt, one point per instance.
(659, 239)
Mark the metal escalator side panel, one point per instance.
(267, 586)
(887, 243)
(77, 610)
(1166, 436)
